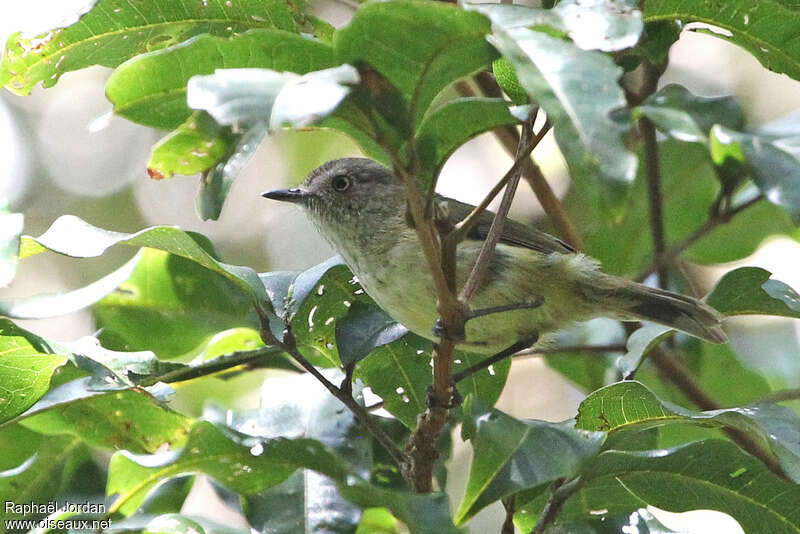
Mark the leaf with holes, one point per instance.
(116, 30)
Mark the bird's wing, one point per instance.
(514, 233)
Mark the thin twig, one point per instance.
(510, 505)
(560, 491)
(289, 346)
(653, 171)
(509, 139)
(464, 226)
(212, 366)
(780, 396)
(611, 347)
(481, 266)
(715, 220)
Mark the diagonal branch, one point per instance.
(481, 266)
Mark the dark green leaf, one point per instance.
(169, 305)
(195, 146)
(386, 35)
(448, 127)
(400, 374)
(765, 28)
(751, 291)
(512, 455)
(608, 26)
(217, 182)
(487, 384)
(27, 363)
(115, 30)
(54, 304)
(34, 468)
(687, 117)
(306, 502)
(10, 231)
(712, 474)
(578, 89)
(151, 89)
(74, 237)
(773, 162)
(630, 403)
(249, 465)
(129, 419)
(362, 330)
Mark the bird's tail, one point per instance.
(630, 300)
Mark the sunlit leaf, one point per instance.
(195, 146)
(27, 363)
(115, 30)
(764, 28)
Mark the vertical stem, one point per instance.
(653, 168)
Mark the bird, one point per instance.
(535, 283)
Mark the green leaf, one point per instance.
(765, 29)
(687, 117)
(399, 373)
(54, 304)
(307, 502)
(36, 469)
(151, 88)
(773, 162)
(607, 26)
(115, 30)
(639, 344)
(248, 96)
(630, 403)
(128, 419)
(27, 363)
(386, 35)
(451, 125)
(169, 305)
(217, 182)
(485, 385)
(248, 465)
(10, 231)
(195, 146)
(364, 329)
(74, 237)
(711, 474)
(578, 89)
(507, 80)
(512, 455)
(751, 291)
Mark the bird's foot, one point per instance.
(440, 331)
(454, 402)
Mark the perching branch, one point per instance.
(560, 491)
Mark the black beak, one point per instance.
(297, 196)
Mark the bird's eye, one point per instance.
(341, 183)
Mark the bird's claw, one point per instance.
(441, 332)
(455, 399)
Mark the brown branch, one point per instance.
(611, 347)
(560, 491)
(781, 395)
(717, 218)
(655, 197)
(679, 375)
(509, 139)
(510, 505)
(481, 266)
(289, 346)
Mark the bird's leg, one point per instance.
(522, 344)
(347, 384)
(439, 330)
